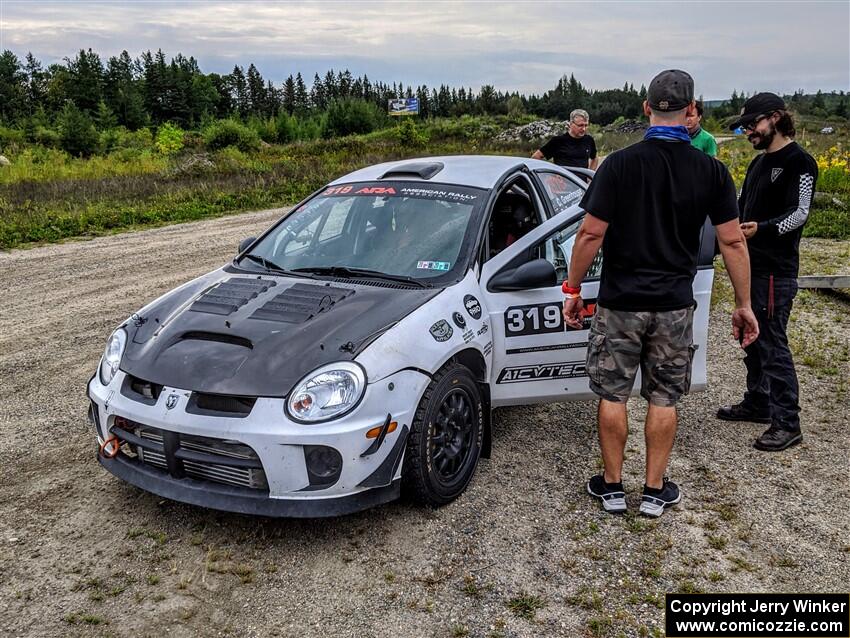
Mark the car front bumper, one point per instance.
(259, 463)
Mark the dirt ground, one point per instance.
(524, 552)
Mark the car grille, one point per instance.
(197, 457)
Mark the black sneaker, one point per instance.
(611, 494)
(742, 412)
(775, 439)
(655, 501)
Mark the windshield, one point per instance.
(400, 229)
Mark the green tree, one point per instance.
(105, 118)
(12, 87)
(348, 117)
(86, 81)
(78, 135)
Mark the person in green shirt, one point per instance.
(700, 138)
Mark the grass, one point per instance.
(525, 605)
(48, 196)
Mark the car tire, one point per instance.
(445, 438)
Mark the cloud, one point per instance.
(524, 46)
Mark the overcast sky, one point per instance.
(524, 46)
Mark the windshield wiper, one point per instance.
(269, 265)
(345, 271)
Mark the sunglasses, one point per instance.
(752, 125)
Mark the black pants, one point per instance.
(771, 379)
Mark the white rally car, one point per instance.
(360, 343)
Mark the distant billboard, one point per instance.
(404, 106)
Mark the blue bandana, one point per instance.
(667, 133)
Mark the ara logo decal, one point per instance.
(774, 174)
(544, 372)
(441, 331)
(171, 401)
(473, 307)
(460, 322)
(376, 190)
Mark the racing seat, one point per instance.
(513, 216)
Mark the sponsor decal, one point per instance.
(483, 329)
(468, 336)
(488, 347)
(432, 193)
(441, 331)
(376, 190)
(338, 190)
(460, 322)
(543, 372)
(559, 346)
(473, 306)
(521, 321)
(434, 265)
(774, 174)
(171, 401)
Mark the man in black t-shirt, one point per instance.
(574, 148)
(774, 203)
(646, 208)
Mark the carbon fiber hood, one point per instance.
(244, 335)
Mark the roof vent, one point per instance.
(422, 170)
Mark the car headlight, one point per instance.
(327, 393)
(112, 355)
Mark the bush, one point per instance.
(11, 138)
(829, 221)
(169, 139)
(78, 135)
(47, 137)
(350, 117)
(286, 128)
(224, 133)
(265, 129)
(409, 135)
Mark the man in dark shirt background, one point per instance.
(574, 148)
(646, 208)
(774, 204)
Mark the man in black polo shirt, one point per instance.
(774, 205)
(646, 208)
(574, 148)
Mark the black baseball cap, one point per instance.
(670, 90)
(759, 104)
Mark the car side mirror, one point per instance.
(243, 245)
(537, 273)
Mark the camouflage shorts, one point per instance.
(660, 343)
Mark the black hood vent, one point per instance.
(228, 296)
(301, 303)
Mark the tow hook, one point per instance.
(112, 452)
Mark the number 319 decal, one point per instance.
(543, 318)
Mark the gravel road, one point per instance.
(523, 553)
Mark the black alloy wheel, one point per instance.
(451, 439)
(445, 437)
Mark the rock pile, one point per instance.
(628, 126)
(541, 129)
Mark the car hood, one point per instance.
(244, 335)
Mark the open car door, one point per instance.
(536, 356)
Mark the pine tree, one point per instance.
(317, 94)
(302, 100)
(12, 87)
(256, 92)
(86, 87)
(288, 101)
